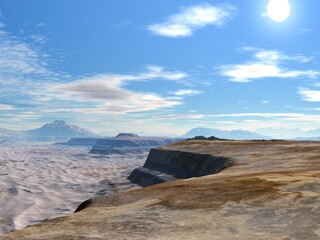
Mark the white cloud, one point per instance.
(24, 69)
(310, 95)
(17, 58)
(266, 115)
(180, 116)
(38, 38)
(39, 25)
(108, 91)
(265, 102)
(187, 92)
(266, 64)
(190, 19)
(6, 107)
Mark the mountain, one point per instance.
(314, 133)
(10, 134)
(232, 134)
(59, 130)
(282, 133)
(290, 133)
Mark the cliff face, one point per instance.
(167, 165)
(123, 145)
(79, 142)
(271, 192)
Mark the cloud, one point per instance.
(187, 92)
(190, 19)
(254, 120)
(180, 116)
(25, 72)
(111, 96)
(266, 64)
(6, 107)
(39, 25)
(24, 69)
(38, 38)
(310, 95)
(265, 115)
(18, 58)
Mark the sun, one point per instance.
(278, 10)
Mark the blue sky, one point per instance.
(158, 66)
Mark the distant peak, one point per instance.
(59, 122)
(124, 135)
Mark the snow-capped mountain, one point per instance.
(59, 130)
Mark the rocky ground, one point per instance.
(271, 192)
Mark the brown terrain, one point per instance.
(272, 191)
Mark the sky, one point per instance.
(160, 67)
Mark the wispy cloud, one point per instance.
(265, 115)
(109, 91)
(266, 64)
(180, 116)
(188, 20)
(18, 58)
(38, 38)
(6, 107)
(25, 72)
(255, 120)
(187, 92)
(310, 95)
(23, 67)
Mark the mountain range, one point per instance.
(61, 130)
(232, 134)
(289, 133)
(10, 134)
(56, 130)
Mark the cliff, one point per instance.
(79, 142)
(168, 165)
(123, 144)
(270, 192)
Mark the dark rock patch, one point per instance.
(166, 165)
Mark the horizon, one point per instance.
(288, 133)
(102, 66)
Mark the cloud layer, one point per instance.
(109, 92)
(184, 23)
(266, 64)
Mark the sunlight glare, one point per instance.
(278, 10)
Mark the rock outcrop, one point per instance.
(79, 142)
(167, 165)
(125, 143)
(271, 192)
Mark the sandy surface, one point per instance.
(272, 192)
(41, 181)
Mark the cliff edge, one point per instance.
(168, 165)
(125, 143)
